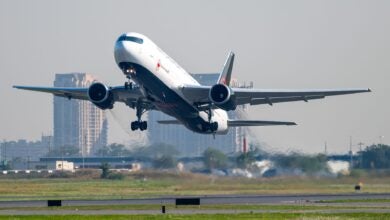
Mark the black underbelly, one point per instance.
(165, 99)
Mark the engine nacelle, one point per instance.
(100, 95)
(223, 97)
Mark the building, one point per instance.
(25, 151)
(64, 165)
(188, 142)
(78, 123)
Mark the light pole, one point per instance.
(48, 152)
(62, 159)
(350, 151)
(380, 139)
(2, 158)
(5, 151)
(82, 149)
(361, 154)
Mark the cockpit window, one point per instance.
(131, 38)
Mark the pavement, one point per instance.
(17, 207)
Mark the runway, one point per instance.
(209, 200)
(183, 211)
(31, 207)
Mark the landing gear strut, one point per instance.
(129, 84)
(212, 126)
(139, 124)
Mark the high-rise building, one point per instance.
(190, 143)
(78, 123)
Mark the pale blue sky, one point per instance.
(278, 44)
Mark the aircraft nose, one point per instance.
(124, 58)
(119, 51)
(123, 53)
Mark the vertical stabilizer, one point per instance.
(226, 73)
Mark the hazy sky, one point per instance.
(278, 44)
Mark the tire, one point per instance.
(135, 125)
(214, 126)
(143, 125)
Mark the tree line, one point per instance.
(165, 156)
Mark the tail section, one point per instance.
(226, 74)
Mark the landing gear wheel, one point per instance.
(214, 126)
(134, 125)
(140, 109)
(143, 125)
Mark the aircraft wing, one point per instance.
(169, 122)
(120, 93)
(258, 97)
(76, 93)
(239, 123)
(200, 95)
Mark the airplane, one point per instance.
(154, 81)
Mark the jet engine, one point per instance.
(223, 97)
(100, 95)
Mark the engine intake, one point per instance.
(100, 95)
(223, 97)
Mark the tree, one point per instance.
(243, 160)
(64, 151)
(114, 150)
(164, 162)
(107, 174)
(376, 157)
(104, 151)
(306, 163)
(156, 150)
(214, 159)
(105, 170)
(4, 165)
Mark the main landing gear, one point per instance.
(139, 124)
(211, 126)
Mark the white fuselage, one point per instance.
(161, 80)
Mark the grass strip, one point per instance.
(202, 207)
(274, 216)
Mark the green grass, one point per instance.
(274, 216)
(202, 207)
(152, 184)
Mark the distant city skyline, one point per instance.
(78, 123)
(299, 44)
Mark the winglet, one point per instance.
(226, 73)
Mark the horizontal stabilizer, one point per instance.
(238, 123)
(169, 122)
